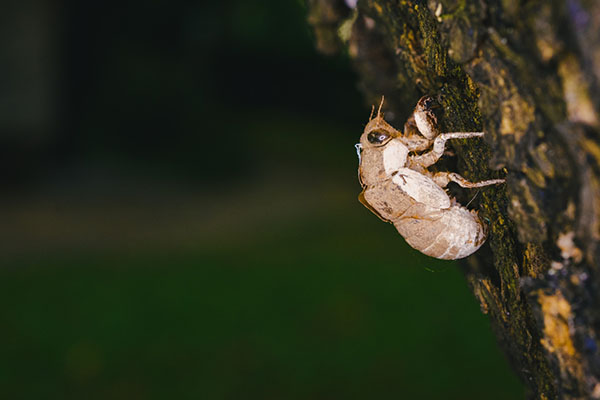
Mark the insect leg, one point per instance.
(443, 178)
(430, 158)
(440, 142)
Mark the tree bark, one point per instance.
(528, 74)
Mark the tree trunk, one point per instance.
(528, 74)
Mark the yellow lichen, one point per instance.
(567, 247)
(517, 114)
(576, 92)
(541, 158)
(591, 147)
(345, 29)
(557, 339)
(378, 8)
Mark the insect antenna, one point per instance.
(380, 105)
(372, 111)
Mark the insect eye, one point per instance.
(428, 102)
(376, 137)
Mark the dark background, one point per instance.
(179, 218)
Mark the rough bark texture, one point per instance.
(528, 74)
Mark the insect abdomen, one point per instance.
(447, 234)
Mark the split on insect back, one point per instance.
(399, 188)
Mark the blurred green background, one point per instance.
(179, 219)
